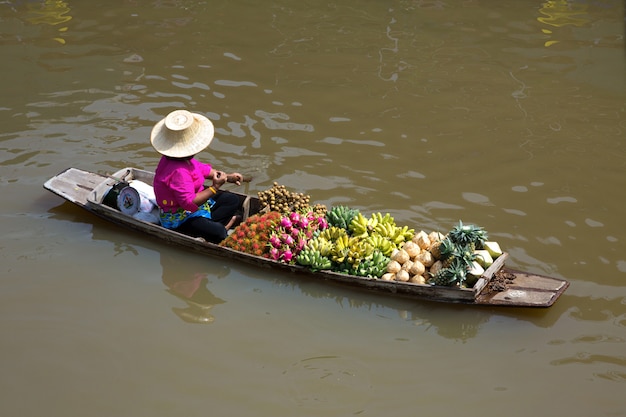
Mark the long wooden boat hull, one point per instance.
(499, 286)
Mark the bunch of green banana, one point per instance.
(373, 266)
(344, 268)
(340, 216)
(313, 259)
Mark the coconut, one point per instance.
(426, 258)
(422, 240)
(402, 276)
(417, 279)
(435, 236)
(411, 248)
(417, 268)
(389, 276)
(436, 267)
(401, 256)
(393, 266)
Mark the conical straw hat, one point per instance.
(181, 134)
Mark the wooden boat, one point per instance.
(499, 285)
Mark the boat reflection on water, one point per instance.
(179, 276)
(449, 320)
(191, 287)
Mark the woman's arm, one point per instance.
(209, 173)
(218, 178)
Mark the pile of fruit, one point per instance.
(253, 235)
(354, 244)
(281, 229)
(279, 198)
(343, 240)
(458, 258)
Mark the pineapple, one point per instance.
(455, 274)
(468, 235)
(447, 251)
(435, 248)
(451, 252)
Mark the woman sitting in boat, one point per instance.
(185, 204)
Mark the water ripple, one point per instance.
(232, 83)
(272, 121)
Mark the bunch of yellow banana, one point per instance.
(333, 233)
(381, 243)
(358, 250)
(386, 229)
(340, 249)
(377, 218)
(321, 245)
(377, 223)
(402, 234)
(358, 226)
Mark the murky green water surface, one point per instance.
(509, 115)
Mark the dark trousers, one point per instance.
(213, 230)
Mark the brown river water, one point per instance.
(509, 115)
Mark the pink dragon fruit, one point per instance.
(275, 241)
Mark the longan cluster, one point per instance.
(279, 199)
(320, 209)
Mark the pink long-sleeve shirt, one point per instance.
(177, 182)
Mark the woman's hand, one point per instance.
(235, 178)
(219, 178)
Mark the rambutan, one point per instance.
(252, 236)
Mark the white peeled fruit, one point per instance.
(483, 257)
(493, 248)
(476, 270)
